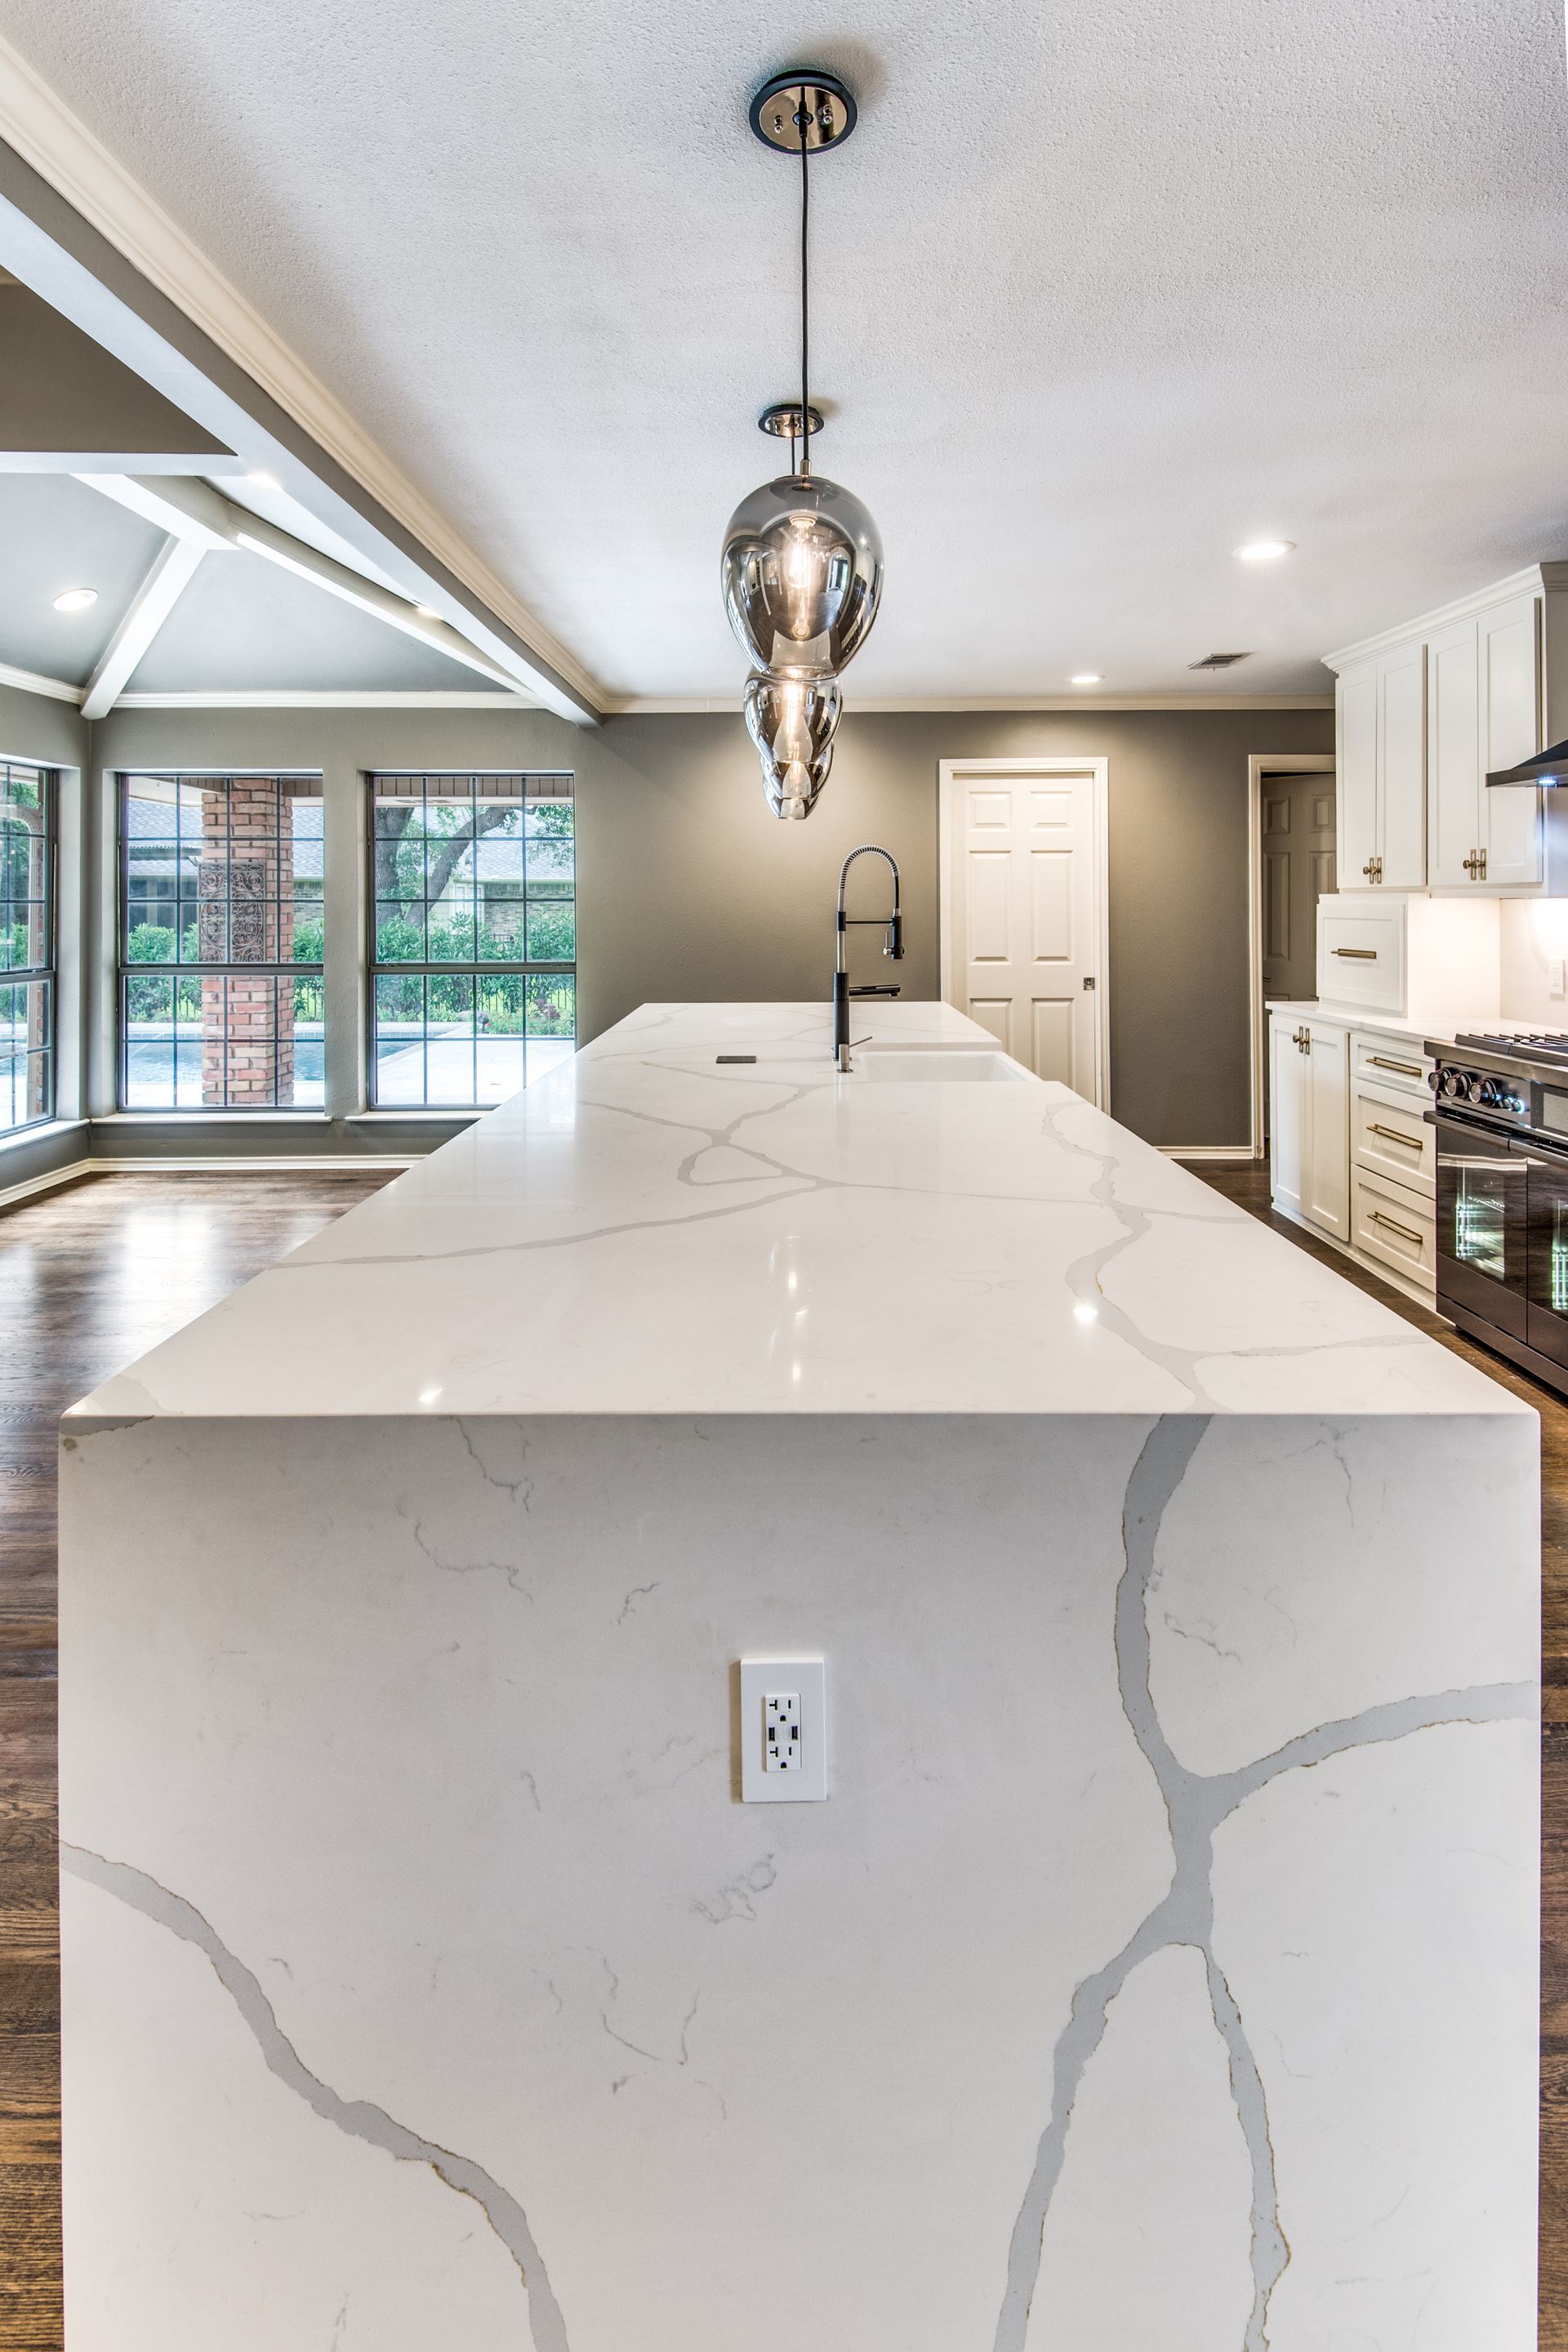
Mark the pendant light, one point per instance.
(802, 567)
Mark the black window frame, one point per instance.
(45, 975)
(563, 786)
(180, 967)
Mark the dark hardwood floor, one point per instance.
(92, 1277)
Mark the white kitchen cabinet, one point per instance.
(1483, 711)
(1510, 831)
(1423, 711)
(1310, 1122)
(1381, 766)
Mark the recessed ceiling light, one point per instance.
(74, 600)
(1264, 551)
(1086, 677)
(264, 481)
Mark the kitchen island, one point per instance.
(1159, 1974)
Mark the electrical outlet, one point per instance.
(1555, 978)
(783, 1730)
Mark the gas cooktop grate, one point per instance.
(1530, 1044)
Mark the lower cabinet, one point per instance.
(1350, 1148)
(1309, 1148)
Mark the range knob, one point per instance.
(1492, 1092)
(1453, 1085)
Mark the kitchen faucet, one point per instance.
(842, 991)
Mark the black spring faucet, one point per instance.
(894, 947)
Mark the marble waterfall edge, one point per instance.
(1160, 1974)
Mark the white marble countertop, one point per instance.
(646, 1232)
(1365, 1017)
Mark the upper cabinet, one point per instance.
(1423, 711)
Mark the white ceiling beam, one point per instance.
(195, 512)
(148, 610)
(122, 263)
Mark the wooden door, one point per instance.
(1402, 768)
(1356, 703)
(1327, 1154)
(1510, 680)
(1023, 913)
(1288, 1097)
(1298, 817)
(1453, 758)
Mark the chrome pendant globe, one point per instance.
(791, 723)
(802, 566)
(802, 574)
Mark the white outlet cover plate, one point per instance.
(758, 1677)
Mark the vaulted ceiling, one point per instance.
(1101, 292)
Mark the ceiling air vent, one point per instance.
(1218, 661)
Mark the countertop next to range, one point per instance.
(1362, 1016)
(648, 1230)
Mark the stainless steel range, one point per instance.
(1501, 1116)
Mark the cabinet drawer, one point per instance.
(1397, 1229)
(1361, 956)
(1393, 1064)
(1390, 1137)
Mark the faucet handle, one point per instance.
(895, 947)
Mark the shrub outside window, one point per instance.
(221, 929)
(26, 945)
(474, 936)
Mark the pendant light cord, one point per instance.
(804, 123)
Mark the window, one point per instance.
(27, 914)
(221, 915)
(473, 886)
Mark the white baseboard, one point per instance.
(152, 1163)
(1208, 1151)
(46, 1183)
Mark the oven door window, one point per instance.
(1547, 1324)
(1481, 1224)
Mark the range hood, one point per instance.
(1548, 767)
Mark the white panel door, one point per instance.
(1453, 757)
(1357, 706)
(1024, 916)
(1510, 725)
(1402, 768)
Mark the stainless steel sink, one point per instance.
(935, 1065)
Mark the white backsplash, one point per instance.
(1534, 936)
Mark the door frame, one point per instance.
(1097, 769)
(1259, 765)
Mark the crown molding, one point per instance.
(61, 149)
(30, 681)
(670, 706)
(1535, 580)
(285, 697)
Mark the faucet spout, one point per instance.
(893, 946)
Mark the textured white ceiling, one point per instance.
(1101, 292)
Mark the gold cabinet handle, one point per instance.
(1392, 1135)
(1356, 955)
(1376, 1217)
(1406, 1070)
(1476, 865)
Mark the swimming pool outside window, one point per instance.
(221, 942)
(474, 936)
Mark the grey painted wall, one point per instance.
(688, 887)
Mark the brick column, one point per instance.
(247, 871)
